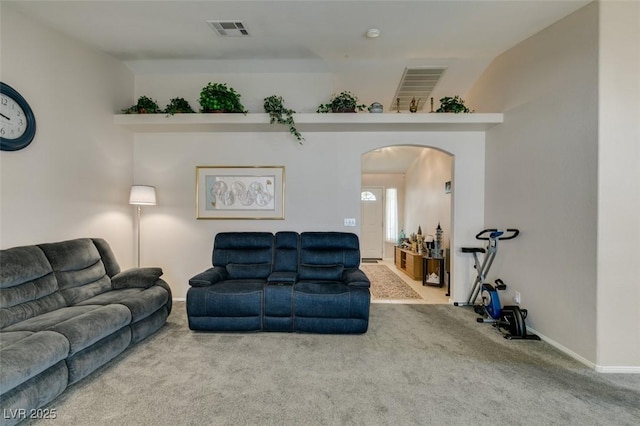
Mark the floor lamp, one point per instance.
(141, 195)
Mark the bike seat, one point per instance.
(473, 250)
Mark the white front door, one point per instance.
(372, 221)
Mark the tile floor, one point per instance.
(430, 294)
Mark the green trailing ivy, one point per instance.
(274, 106)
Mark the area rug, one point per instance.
(387, 285)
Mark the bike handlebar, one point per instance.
(509, 234)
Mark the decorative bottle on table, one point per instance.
(437, 250)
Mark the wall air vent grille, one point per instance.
(229, 28)
(416, 83)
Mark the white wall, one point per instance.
(564, 168)
(323, 176)
(73, 179)
(427, 204)
(618, 304)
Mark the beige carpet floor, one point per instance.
(417, 365)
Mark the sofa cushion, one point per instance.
(81, 325)
(35, 392)
(242, 247)
(85, 361)
(322, 300)
(141, 302)
(26, 354)
(320, 272)
(238, 298)
(240, 271)
(108, 258)
(79, 269)
(46, 321)
(330, 248)
(285, 253)
(28, 287)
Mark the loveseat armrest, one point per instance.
(355, 277)
(136, 278)
(282, 277)
(209, 277)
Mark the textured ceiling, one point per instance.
(307, 36)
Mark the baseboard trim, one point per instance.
(608, 369)
(617, 369)
(564, 349)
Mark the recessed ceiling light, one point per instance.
(373, 33)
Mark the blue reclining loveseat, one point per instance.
(308, 282)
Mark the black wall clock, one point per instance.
(17, 122)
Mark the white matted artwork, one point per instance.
(240, 192)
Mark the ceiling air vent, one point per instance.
(416, 83)
(229, 28)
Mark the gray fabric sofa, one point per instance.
(308, 282)
(66, 309)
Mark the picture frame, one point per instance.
(240, 192)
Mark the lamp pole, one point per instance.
(141, 195)
(139, 211)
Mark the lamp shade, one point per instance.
(143, 195)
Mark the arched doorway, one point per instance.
(407, 189)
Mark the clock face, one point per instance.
(14, 122)
(17, 122)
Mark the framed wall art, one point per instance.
(240, 192)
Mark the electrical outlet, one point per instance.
(350, 221)
(516, 298)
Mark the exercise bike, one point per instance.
(509, 320)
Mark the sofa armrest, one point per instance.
(209, 277)
(136, 278)
(282, 277)
(356, 278)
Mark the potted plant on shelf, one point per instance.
(343, 102)
(178, 106)
(145, 105)
(217, 97)
(455, 105)
(274, 106)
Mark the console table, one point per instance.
(409, 262)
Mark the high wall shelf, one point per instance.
(308, 122)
